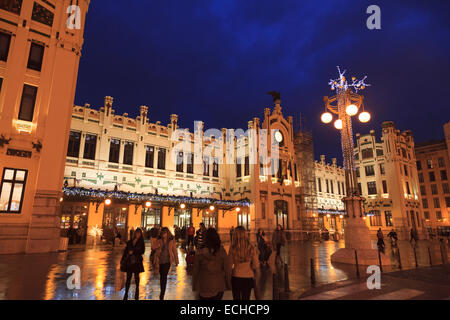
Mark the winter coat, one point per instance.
(173, 253)
(138, 251)
(212, 273)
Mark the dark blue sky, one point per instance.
(214, 60)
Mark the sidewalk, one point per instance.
(430, 283)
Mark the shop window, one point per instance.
(244, 219)
(12, 190)
(183, 217)
(210, 219)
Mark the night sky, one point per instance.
(215, 60)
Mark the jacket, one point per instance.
(278, 237)
(212, 273)
(138, 251)
(173, 253)
(245, 269)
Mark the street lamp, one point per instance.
(148, 204)
(108, 202)
(182, 206)
(211, 208)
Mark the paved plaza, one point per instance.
(43, 276)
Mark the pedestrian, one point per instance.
(231, 233)
(131, 261)
(200, 237)
(262, 247)
(212, 269)
(244, 259)
(413, 235)
(190, 235)
(380, 242)
(131, 232)
(278, 240)
(165, 255)
(394, 238)
(153, 242)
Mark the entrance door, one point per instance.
(281, 213)
(183, 217)
(115, 218)
(74, 222)
(151, 217)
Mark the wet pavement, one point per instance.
(43, 276)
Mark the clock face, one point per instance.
(278, 136)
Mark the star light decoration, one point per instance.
(341, 83)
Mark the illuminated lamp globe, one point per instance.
(108, 202)
(328, 216)
(211, 208)
(238, 209)
(338, 124)
(364, 117)
(326, 117)
(148, 204)
(351, 110)
(182, 206)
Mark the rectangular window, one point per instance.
(441, 162)
(190, 163)
(332, 186)
(295, 172)
(429, 164)
(343, 188)
(404, 152)
(434, 189)
(13, 6)
(90, 144)
(149, 156)
(447, 202)
(339, 187)
(12, 190)
(239, 169)
(36, 57)
(423, 190)
(427, 215)
(359, 188)
(380, 152)
(408, 190)
(445, 188)
(419, 165)
(27, 103)
(444, 175)
(406, 169)
(438, 215)
(215, 172)
(375, 218)
(247, 166)
(74, 144)
(421, 177)
(388, 218)
(162, 159)
(372, 187)
(5, 42)
(128, 153)
(328, 186)
(180, 162)
(358, 174)
(425, 203)
(436, 203)
(114, 150)
(369, 171)
(206, 166)
(367, 153)
(385, 189)
(432, 176)
(382, 169)
(42, 15)
(319, 184)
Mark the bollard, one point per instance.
(415, 256)
(313, 274)
(274, 287)
(429, 255)
(357, 265)
(379, 261)
(399, 259)
(286, 278)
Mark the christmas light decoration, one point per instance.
(326, 117)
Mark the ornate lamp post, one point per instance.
(346, 104)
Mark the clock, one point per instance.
(278, 136)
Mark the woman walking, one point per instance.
(131, 261)
(264, 250)
(165, 255)
(244, 259)
(212, 268)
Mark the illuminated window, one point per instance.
(12, 190)
(388, 218)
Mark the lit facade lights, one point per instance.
(351, 110)
(108, 202)
(148, 204)
(326, 117)
(338, 124)
(364, 117)
(211, 208)
(182, 206)
(238, 209)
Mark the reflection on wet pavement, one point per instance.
(43, 276)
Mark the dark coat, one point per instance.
(138, 251)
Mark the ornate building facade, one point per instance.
(223, 177)
(388, 180)
(433, 163)
(39, 57)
